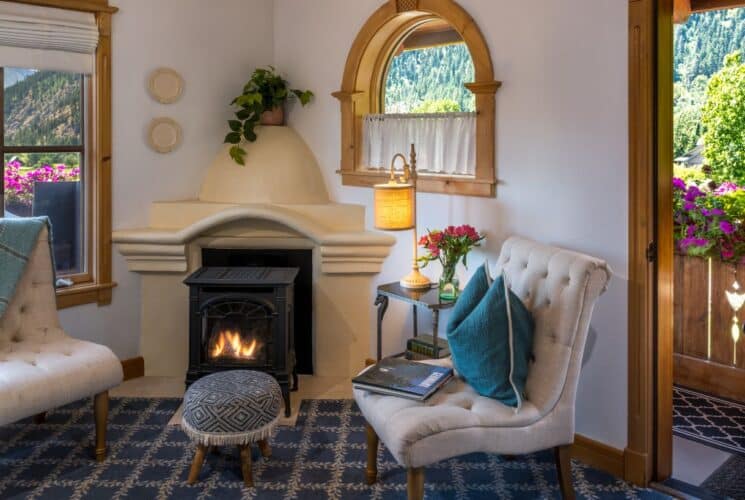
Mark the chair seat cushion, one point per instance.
(231, 407)
(448, 418)
(490, 334)
(38, 376)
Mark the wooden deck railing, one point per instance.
(708, 343)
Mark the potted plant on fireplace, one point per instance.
(261, 103)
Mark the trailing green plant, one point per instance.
(265, 91)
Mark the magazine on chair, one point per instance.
(403, 378)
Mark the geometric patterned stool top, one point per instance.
(237, 407)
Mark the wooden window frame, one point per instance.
(363, 79)
(96, 286)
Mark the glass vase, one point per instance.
(449, 284)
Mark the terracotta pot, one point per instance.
(275, 116)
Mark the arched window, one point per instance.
(420, 72)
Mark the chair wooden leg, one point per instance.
(415, 483)
(248, 478)
(266, 450)
(196, 463)
(372, 455)
(564, 470)
(40, 418)
(101, 411)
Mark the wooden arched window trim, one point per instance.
(362, 85)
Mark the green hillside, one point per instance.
(43, 109)
(702, 42)
(431, 79)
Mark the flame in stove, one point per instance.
(231, 344)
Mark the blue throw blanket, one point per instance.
(17, 240)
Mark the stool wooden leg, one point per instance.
(415, 483)
(101, 411)
(248, 479)
(372, 455)
(266, 450)
(196, 464)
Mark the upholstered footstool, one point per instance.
(231, 408)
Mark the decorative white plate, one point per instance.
(164, 135)
(165, 85)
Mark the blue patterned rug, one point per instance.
(323, 457)
(709, 420)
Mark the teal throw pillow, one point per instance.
(490, 333)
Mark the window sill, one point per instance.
(426, 183)
(84, 293)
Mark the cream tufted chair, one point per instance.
(41, 367)
(560, 288)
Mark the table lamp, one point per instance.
(395, 210)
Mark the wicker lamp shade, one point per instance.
(394, 207)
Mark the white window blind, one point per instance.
(46, 38)
(445, 142)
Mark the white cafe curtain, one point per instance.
(38, 37)
(445, 142)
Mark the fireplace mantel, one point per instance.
(344, 247)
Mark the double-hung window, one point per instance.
(55, 134)
(43, 144)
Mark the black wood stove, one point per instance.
(242, 318)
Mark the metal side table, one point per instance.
(428, 299)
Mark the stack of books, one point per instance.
(423, 347)
(403, 378)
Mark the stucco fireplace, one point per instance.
(277, 201)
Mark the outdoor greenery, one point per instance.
(701, 45)
(709, 199)
(43, 108)
(704, 40)
(19, 182)
(723, 119)
(430, 80)
(710, 219)
(265, 91)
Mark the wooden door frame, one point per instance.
(648, 455)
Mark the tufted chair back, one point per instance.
(560, 288)
(32, 312)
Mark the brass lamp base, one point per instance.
(415, 280)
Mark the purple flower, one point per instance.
(679, 184)
(726, 227)
(714, 212)
(693, 242)
(727, 252)
(726, 187)
(689, 205)
(690, 231)
(693, 193)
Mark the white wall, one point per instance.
(215, 46)
(561, 141)
(561, 152)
